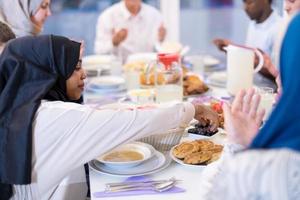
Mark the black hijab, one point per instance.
(31, 69)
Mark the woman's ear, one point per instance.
(82, 47)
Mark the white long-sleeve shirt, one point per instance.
(265, 35)
(142, 30)
(67, 135)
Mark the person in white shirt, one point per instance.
(127, 27)
(263, 27)
(45, 138)
(262, 31)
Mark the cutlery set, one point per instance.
(158, 186)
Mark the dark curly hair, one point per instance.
(6, 33)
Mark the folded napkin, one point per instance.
(103, 194)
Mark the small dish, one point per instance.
(127, 155)
(210, 61)
(141, 95)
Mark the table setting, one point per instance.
(174, 173)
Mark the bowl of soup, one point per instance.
(127, 155)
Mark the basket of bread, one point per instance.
(165, 141)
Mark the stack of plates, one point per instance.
(106, 84)
(96, 65)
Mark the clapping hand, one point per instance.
(119, 36)
(162, 33)
(242, 118)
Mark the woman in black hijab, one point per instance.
(31, 70)
(44, 135)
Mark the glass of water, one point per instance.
(267, 100)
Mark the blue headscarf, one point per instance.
(282, 130)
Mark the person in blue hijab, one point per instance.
(263, 164)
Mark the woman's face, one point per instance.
(75, 84)
(42, 13)
(292, 6)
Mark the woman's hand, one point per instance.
(205, 114)
(242, 119)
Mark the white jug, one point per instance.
(240, 67)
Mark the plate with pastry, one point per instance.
(196, 153)
(193, 85)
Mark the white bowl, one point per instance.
(144, 150)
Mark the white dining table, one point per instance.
(188, 176)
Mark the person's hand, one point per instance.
(119, 37)
(242, 118)
(204, 114)
(221, 43)
(268, 64)
(162, 33)
(268, 68)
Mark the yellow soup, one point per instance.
(123, 156)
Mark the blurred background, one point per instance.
(199, 21)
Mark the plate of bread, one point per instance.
(196, 153)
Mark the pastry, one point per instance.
(184, 149)
(198, 157)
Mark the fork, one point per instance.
(131, 183)
(158, 187)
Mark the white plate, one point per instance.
(144, 149)
(97, 59)
(106, 82)
(105, 91)
(217, 79)
(181, 161)
(217, 140)
(156, 163)
(210, 61)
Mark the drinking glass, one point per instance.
(267, 100)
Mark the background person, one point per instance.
(6, 34)
(127, 27)
(262, 31)
(25, 17)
